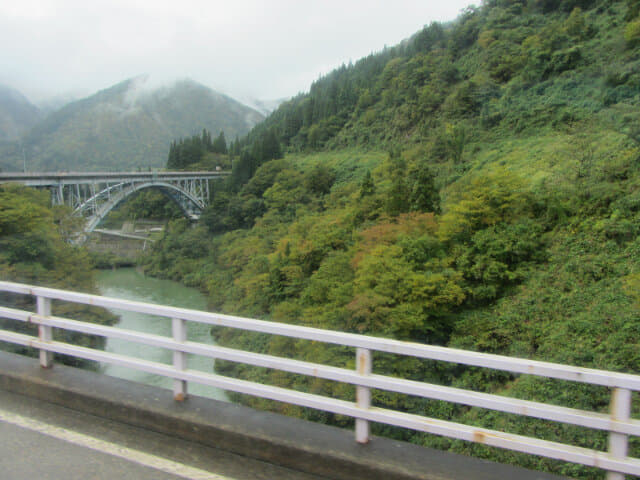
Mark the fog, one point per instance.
(246, 48)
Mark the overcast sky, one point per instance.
(265, 49)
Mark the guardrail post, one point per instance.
(363, 394)
(618, 442)
(179, 330)
(45, 333)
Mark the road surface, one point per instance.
(49, 442)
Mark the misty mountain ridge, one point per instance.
(266, 107)
(127, 126)
(52, 104)
(17, 114)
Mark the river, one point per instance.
(130, 284)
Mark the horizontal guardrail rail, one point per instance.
(618, 423)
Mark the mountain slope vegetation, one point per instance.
(477, 186)
(17, 114)
(35, 249)
(127, 126)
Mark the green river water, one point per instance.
(129, 284)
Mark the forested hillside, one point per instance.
(477, 186)
(34, 249)
(17, 114)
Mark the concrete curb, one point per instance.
(289, 442)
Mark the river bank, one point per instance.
(122, 245)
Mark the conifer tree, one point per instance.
(206, 140)
(219, 144)
(270, 147)
(172, 161)
(367, 187)
(397, 201)
(424, 196)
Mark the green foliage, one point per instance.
(475, 187)
(22, 210)
(424, 195)
(34, 251)
(632, 33)
(631, 286)
(522, 262)
(27, 234)
(392, 299)
(367, 187)
(396, 202)
(148, 204)
(486, 201)
(497, 257)
(219, 145)
(319, 180)
(185, 153)
(633, 9)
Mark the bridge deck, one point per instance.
(290, 443)
(73, 445)
(42, 179)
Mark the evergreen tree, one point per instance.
(270, 147)
(243, 169)
(206, 140)
(367, 187)
(172, 161)
(398, 195)
(236, 147)
(424, 196)
(191, 150)
(397, 198)
(219, 144)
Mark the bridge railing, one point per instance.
(618, 423)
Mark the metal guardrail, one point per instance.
(619, 424)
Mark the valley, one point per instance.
(476, 186)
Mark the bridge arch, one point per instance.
(190, 205)
(94, 194)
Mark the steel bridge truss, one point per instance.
(94, 195)
(95, 200)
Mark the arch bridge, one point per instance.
(94, 195)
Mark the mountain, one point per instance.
(264, 106)
(58, 101)
(17, 114)
(130, 125)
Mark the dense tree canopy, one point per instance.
(188, 152)
(34, 249)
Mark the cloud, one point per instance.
(242, 48)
